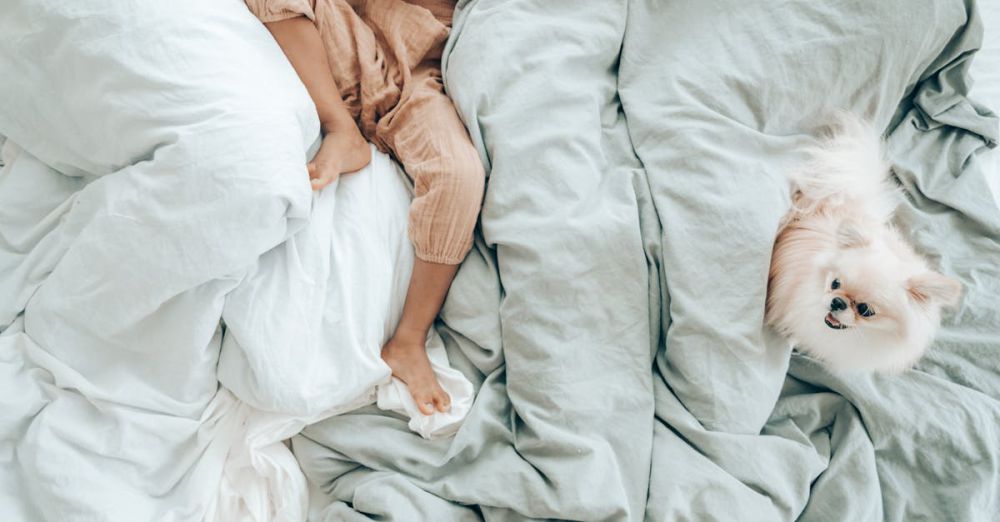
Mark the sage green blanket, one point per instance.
(611, 312)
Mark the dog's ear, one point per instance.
(932, 286)
(852, 235)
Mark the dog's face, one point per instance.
(861, 289)
(843, 283)
(868, 301)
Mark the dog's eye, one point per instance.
(865, 310)
(835, 284)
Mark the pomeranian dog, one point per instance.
(844, 285)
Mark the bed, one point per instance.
(637, 154)
(170, 289)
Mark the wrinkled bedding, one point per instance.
(611, 312)
(986, 67)
(175, 301)
(609, 315)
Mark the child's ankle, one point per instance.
(337, 125)
(410, 335)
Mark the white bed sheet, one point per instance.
(354, 252)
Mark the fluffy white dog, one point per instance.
(844, 284)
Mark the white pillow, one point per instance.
(94, 86)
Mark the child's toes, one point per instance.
(325, 174)
(442, 401)
(425, 402)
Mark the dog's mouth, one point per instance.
(832, 322)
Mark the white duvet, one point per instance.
(174, 300)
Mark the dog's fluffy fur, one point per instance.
(839, 230)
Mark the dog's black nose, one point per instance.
(837, 305)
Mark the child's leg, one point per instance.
(434, 147)
(405, 353)
(344, 149)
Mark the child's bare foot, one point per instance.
(343, 150)
(409, 362)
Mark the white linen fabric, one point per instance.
(158, 236)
